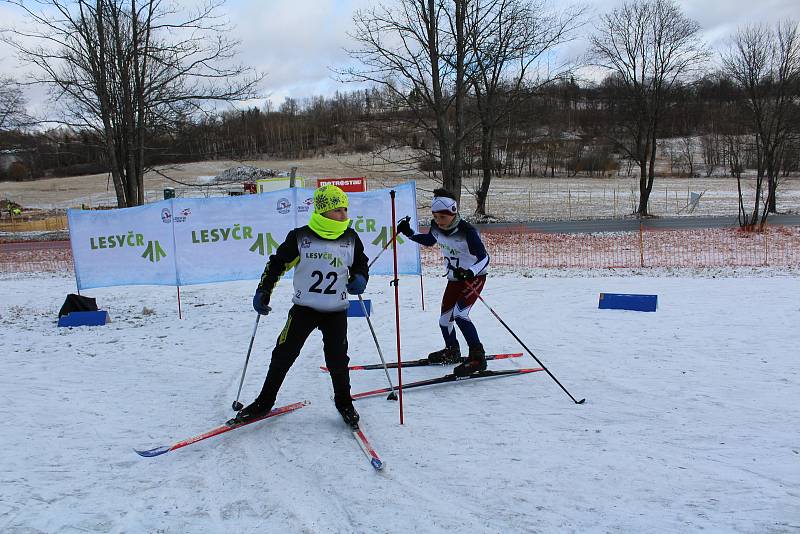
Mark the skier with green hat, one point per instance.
(329, 262)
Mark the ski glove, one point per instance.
(462, 274)
(357, 284)
(261, 302)
(404, 227)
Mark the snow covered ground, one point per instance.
(691, 419)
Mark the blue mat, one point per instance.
(89, 318)
(620, 301)
(355, 308)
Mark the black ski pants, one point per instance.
(301, 321)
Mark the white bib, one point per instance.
(321, 274)
(455, 252)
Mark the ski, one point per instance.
(227, 427)
(449, 378)
(421, 362)
(366, 447)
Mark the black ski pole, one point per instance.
(236, 404)
(392, 395)
(472, 290)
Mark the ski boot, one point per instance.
(476, 361)
(349, 414)
(253, 411)
(446, 355)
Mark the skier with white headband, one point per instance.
(467, 262)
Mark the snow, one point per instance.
(690, 421)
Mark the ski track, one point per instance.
(690, 421)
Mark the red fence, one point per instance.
(36, 257)
(720, 247)
(777, 246)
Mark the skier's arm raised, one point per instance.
(404, 227)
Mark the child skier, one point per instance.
(329, 262)
(466, 262)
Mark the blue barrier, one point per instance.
(618, 301)
(89, 318)
(355, 308)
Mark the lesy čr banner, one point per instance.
(184, 241)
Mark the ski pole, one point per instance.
(236, 404)
(387, 244)
(473, 290)
(392, 395)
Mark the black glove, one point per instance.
(463, 274)
(404, 227)
(261, 302)
(357, 284)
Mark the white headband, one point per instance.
(447, 205)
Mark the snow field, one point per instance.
(690, 421)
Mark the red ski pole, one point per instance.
(397, 311)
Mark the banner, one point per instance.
(348, 185)
(371, 213)
(266, 185)
(186, 241)
(128, 246)
(226, 238)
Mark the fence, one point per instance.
(20, 224)
(49, 256)
(720, 247)
(616, 197)
(777, 246)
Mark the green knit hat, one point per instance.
(329, 197)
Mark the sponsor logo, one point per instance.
(319, 255)
(305, 243)
(283, 205)
(184, 213)
(334, 261)
(154, 252)
(348, 185)
(166, 216)
(306, 205)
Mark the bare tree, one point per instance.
(687, 148)
(507, 38)
(12, 105)
(130, 70)
(417, 51)
(765, 63)
(648, 46)
(711, 147)
(790, 163)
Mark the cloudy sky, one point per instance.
(296, 42)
